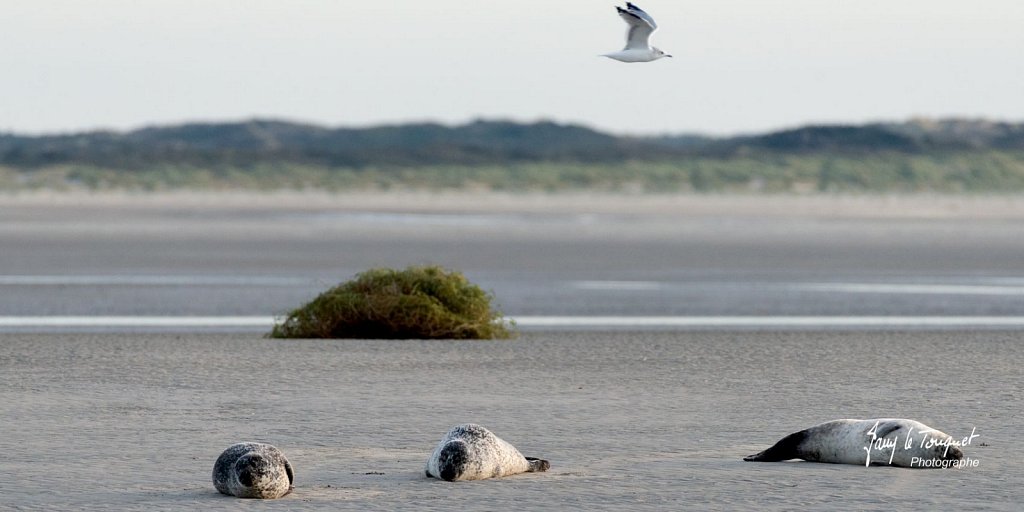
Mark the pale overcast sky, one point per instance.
(738, 66)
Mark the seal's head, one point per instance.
(953, 453)
(253, 470)
(261, 476)
(452, 460)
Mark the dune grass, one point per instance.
(954, 171)
(421, 302)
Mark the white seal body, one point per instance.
(876, 442)
(253, 470)
(471, 452)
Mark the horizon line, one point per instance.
(501, 119)
(534, 322)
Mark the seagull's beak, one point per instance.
(667, 55)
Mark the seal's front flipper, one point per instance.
(537, 465)
(290, 472)
(785, 449)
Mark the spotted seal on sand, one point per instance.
(253, 470)
(886, 441)
(471, 452)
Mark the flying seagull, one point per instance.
(641, 26)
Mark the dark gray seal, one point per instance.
(253, 470)
(471, 452)
(886, 441)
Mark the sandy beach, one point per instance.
(628, 420)
(907, 206)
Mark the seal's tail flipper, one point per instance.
(537, 465)
(785, 449)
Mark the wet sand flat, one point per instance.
(628, 420)
(560, 254)
(864, 206)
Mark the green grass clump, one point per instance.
(427, 302)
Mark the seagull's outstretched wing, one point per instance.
(640, 29)
(640, 12)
